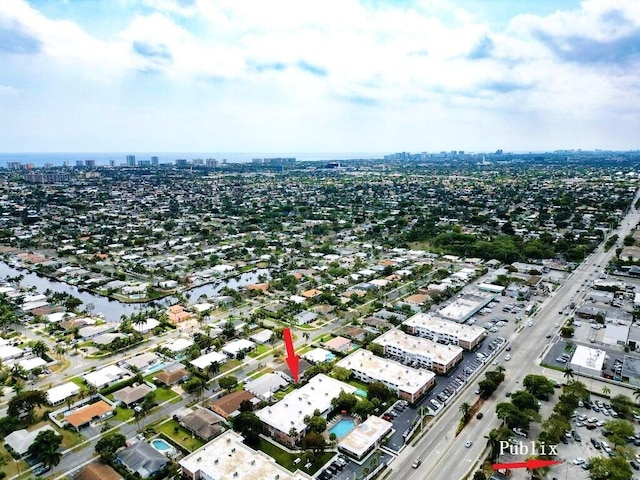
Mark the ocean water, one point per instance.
(104, 158)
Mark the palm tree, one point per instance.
(18, 372)
(39, 348)
(493, 443)
(606, 391)
(305, 335)
(60, 351)
(636, 394)
(213, 369)
(500, 369)
(568, 373)
(465, 410)
(139, 321)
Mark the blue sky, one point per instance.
(331, 76)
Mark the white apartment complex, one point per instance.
(227, 458)
(425, 353)
(409, 383)
(444, 331)
(280, 418)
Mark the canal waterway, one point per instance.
(114, 309)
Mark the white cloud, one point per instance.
(300, 57)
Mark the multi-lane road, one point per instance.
(445, 456)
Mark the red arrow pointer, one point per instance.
(292, 359)
(529, 464)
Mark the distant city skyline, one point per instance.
(334, 76)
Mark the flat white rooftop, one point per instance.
(443, 354)
(207, 359)
(464, 305)
(227, 458)
(437, 325)
(59, 393)
(31, 363)
(407, 379)
(236, 346)
(588, 358)
(365, 436)
(179, 344)
(291, 410)
(104, 376)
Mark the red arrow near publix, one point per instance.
(292, 358)
(528, 464)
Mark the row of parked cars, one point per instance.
(336, 467)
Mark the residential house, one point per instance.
(142, 460)
(228, 406)
(97, 471)
(202, 423)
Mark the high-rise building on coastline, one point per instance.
(131, 160)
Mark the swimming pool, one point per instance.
(361, 393)
(343, 427)
(155, 368)
(161, 445)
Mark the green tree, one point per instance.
(46, 447)
(23, 404)
(524, 401)
(606, 391)
(194, 386)
(345, 401)
(108, 445)
(380, 391)
(340, 373)
(539, 386)
(616, 468)
(465, 410)
(313, 441)
(213, 369)
(512, 416)
(620, 431)
(622, 405)
(228, 382)
(479, 475)
(363, 408)
(316, 423)
(568, 373)
(39, 348)
(249, 425)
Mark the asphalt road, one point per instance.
(445, 456)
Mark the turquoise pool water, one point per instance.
(160, 445)
(342, 428)
(361, 393)
(155, 368)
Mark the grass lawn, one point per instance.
(70, 438)
(164, 394)
(229, 365)
(12, 467)
(78, 381)
(306, 349)
(179, 435)
(279, 395)
(122, 415)
(357, 384)
(286, 459)
(322, 338)
(259, 350)
(260, 372)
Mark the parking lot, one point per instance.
(342, 468)
(581, 443)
